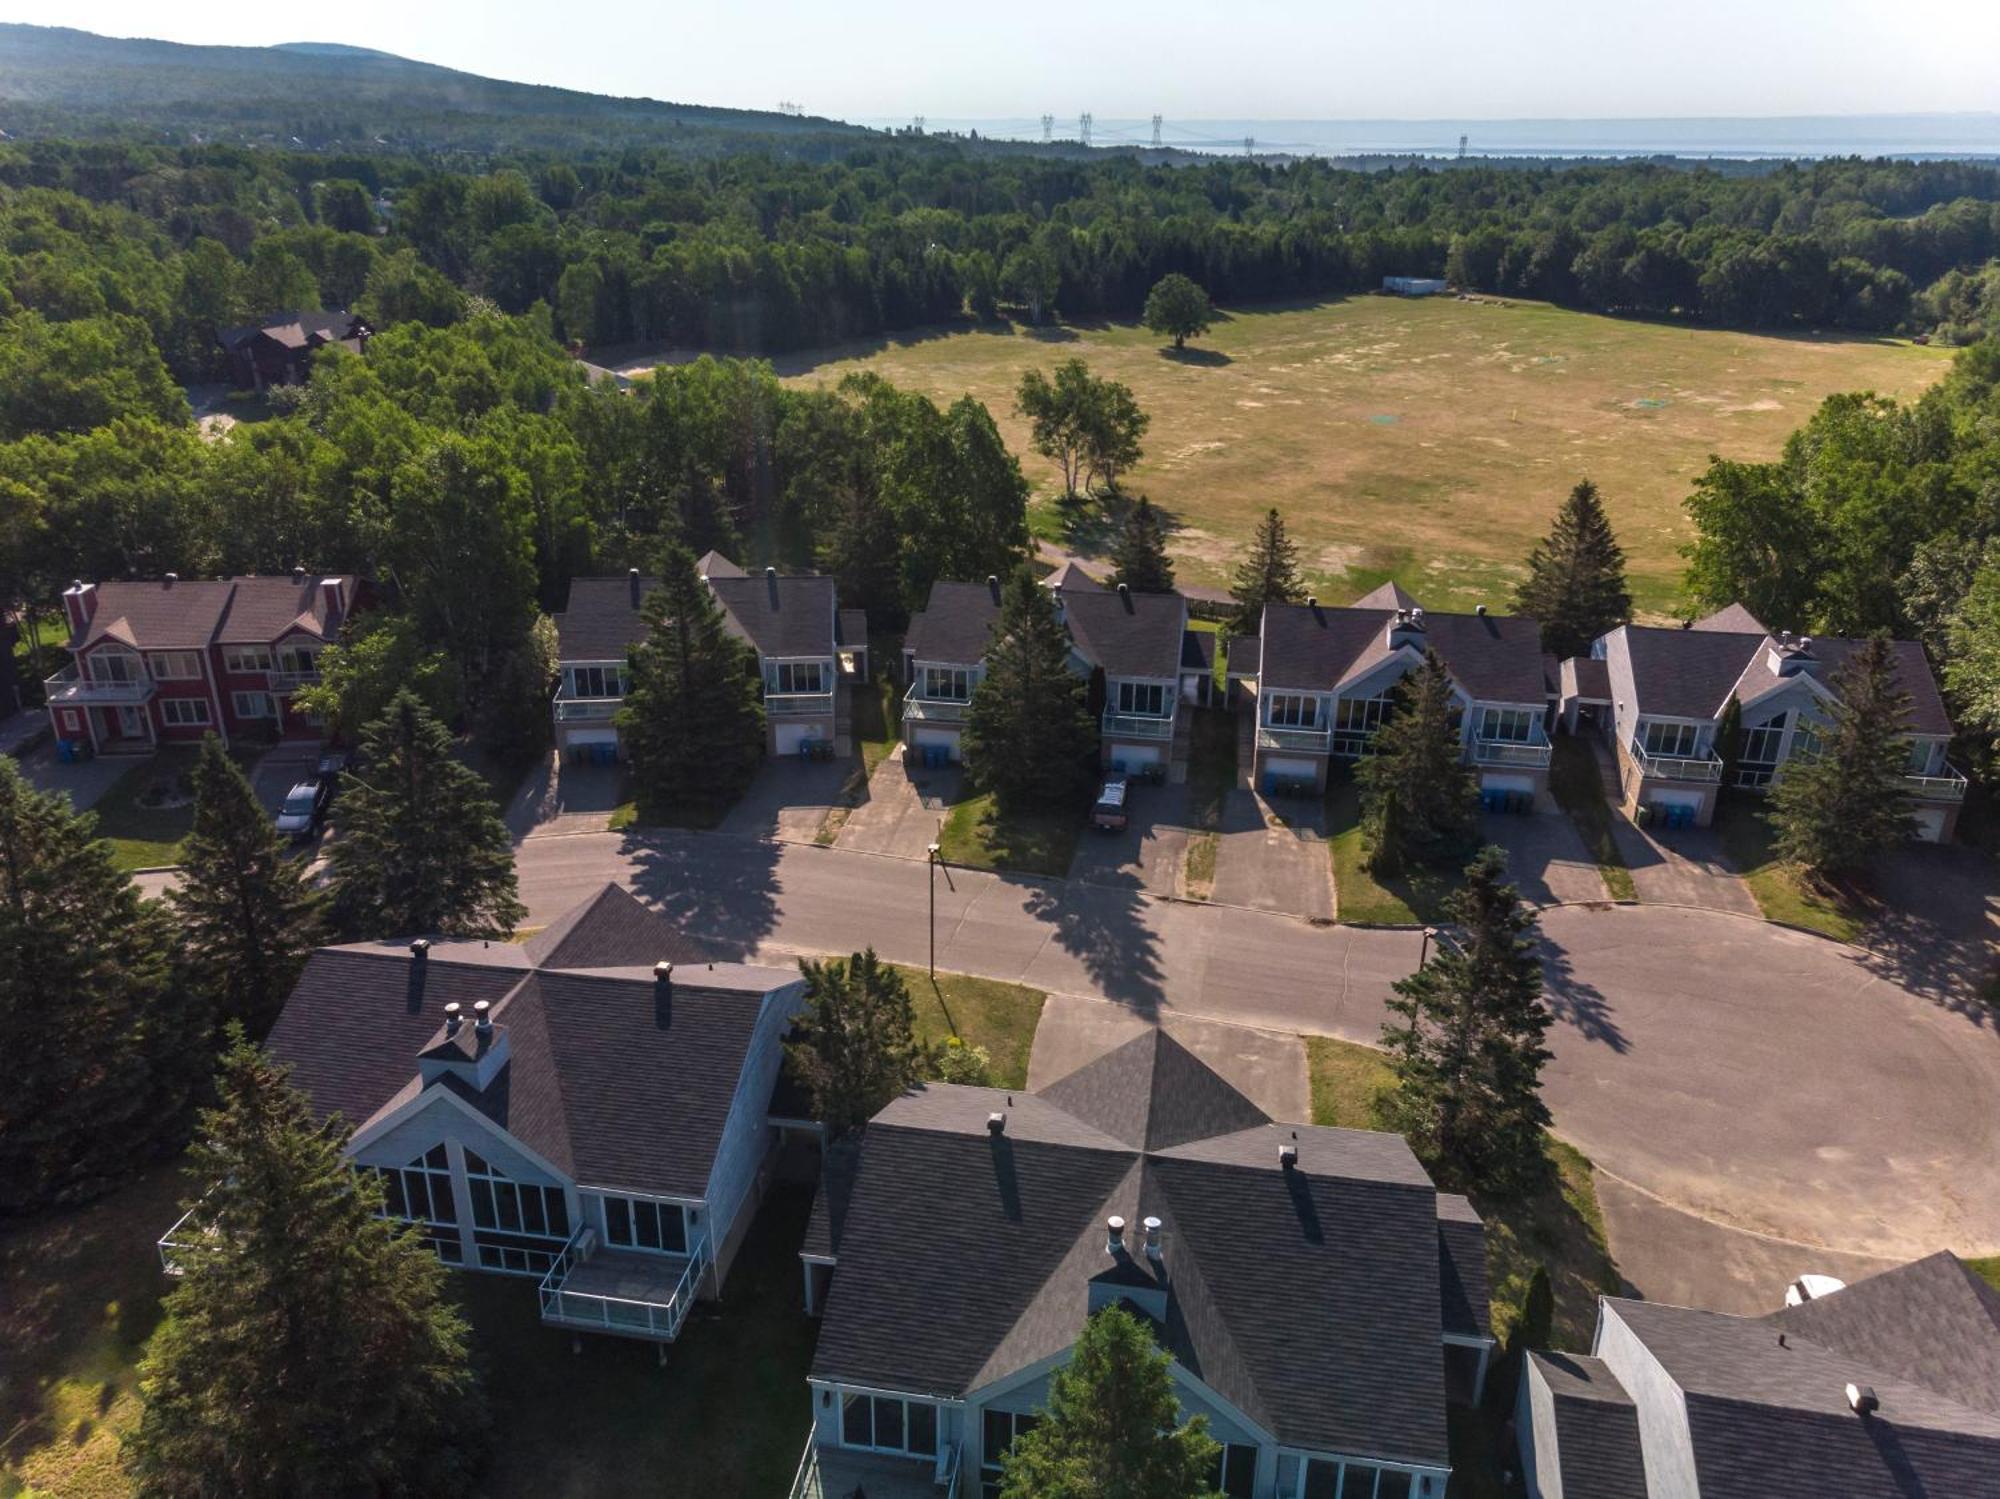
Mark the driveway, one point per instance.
(280, 769)
(1546, 857)
(1148, 852)
(562, 796)
(1274, 861)
(902, 808)
(789, 799)
(84, 781)
(1684, 867)
(1937, 933)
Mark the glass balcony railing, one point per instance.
(1676, 767)
(1532, 753)
(1296, 741)
(1949, 787)
(1137, 726)
(798, 704)
(71, 686)
(933, 709)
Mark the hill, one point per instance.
(55, 81)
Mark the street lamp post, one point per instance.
(933, 862)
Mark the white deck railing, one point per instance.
(1676, 767)
(625, 1316)
(71, 686)
(1137, 726)
(1301, 741)
(584, 709)
(1534, 753)
(797, 704)
(176, 1239)
(1949, 787)
(933, 709)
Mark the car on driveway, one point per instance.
(1108, 815)
(304, 810)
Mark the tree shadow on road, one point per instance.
(1935, 929)
(722, 891)
(1577, 1003)
(1105, 929)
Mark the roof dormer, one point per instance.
(474, 1054)
(1790, 655)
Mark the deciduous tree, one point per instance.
(1843, 806)
(1575, 588)
(1178, 308)
(1029, 735)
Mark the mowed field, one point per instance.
(1425, 441)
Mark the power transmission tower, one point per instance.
(1461, 148)
(1083, 127)
(1156, 132)
(917, 125)
(1249, 145)
(1048, 128)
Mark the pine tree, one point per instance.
(1029, 735)
(1419, 800)
(1468, 1050)
(1269, 575)
(857, 1048)
(248, 917)
(1140, 558)
(1575, 588)
(1838, 810)
(1729, 738)
(693, 720)
(421, 846)
(101, 1051)
(309, 1347)
(1112, 1427)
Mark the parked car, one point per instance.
(1109, 814)
(304, 811)
(331, 763)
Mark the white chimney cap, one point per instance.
(1862, 1400)
(996, 1123)
(1288, 1155)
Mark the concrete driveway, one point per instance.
(1273, 857)
(1684, 867)
(901, 810)
(561, 796)
(1937, 930)
(280, 769)
(789, 799)
(1546, 857)
(1147, 854)
(84, 782)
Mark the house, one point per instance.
(1885, 1389)
(1150, 663)
(808, 651)
(1325, 678)
(169, 661)
(589, 1109)
(944, 658)
(1658, 696)
(279, 349)
(1320, 1298)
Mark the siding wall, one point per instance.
(735, 1178)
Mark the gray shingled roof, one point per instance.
(192, 613)
(1309, 1298)
(780, 616)
(1128, 634)
(1462, 1283)
(612, 929)
(955, 624)
(1597, 1428)
(291, 327)
(1691, 673)
(601, 620)
(1311, 648)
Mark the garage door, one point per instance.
(1675, 799)
(590, 736)
(1133, 756)
(929, 738)
(1291, 768)
(793, 736)
(1506, 783)
(1930, 824)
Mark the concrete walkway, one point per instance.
(1684, 867)
(1273, 856)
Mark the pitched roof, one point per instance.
(1198, 650)
(1587, 678)
(1389, 597)
(712, 564)
(779, 616)
(1733, 619)
(1309, 647)
(1462, 1283)
(955, 624)
(1071, 578)
(850, 627)
(1933, 1322)
(159, 615)
(291, 328)
(1693, 673)
(601, 620)
(612, 929)
(1308, 1297)
(1128, 634)
(1597, 1428)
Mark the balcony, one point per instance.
(1949, 787)
(1137, 726)
(286, 679)
(837, 1473)
(71, 686)
(1531, 754)
(1294, 741)
(1675, 767)
(933, 709)
(586, 709)
(799, 704)
(622, 1292)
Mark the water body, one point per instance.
(1746, 138)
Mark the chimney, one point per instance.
(482, 1018)
(1862, 1400)
(79, 603)
(1114, 1235)
(1407, 628)
(632, 582)
(1480, 610)
(771, 585)
(298, 572)
(1125, 597)
(996, 1124)
(1288, 1155)
(993, 586)
(330, 596)
(663, 994)
(452, 1018)
(1152, 1226)
(170, 579)
(420, 951)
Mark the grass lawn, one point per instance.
(145, 837)
(79, 1294)
(981, 1012)
(976, 836)
(1211, 777)
(1782, 892)
(1359, 897)
(1988, 1270)
(1425, 440)
(1579, 786)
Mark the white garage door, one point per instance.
(1291, 768)
(591, 736)
(791, 736)
(1675, 799)
(1930, 824)
(1132, 756)
(924, 738)
(1506, 783)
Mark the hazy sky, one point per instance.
(1258, 59)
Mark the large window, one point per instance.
(1806, 743)
(1360, 715)
(1671, 740)
(1757, 762)
(596, 681)
(174, 666)
(1324, 1478)
(796, 676)
(1508, 725)
(114, 666)
(184, 712)
(1291, 710)
(246, 658)
(953, 684)
(639, 1223)
(518, 1226)
(1145, 699)
(298, 658)
(421, 1193)
(886, 1424)
(254, 704)
(997, 1434)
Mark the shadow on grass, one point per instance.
(1198, 358)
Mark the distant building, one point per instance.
(279, 350)
(1415, 286)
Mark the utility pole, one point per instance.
(936, 862)
(1083, 127)
(1048, 128)
(1156, 132)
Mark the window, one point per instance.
(1145, 699)
(299, 660)
(1671, 740)
(518, 1226)
(1360, 715)
(1325, 1478)
(997, 1435)
(247, 658)
(421, 1193)
(951, 683)
(887, 1424)
(114, 666)
(1921, 761)
(174, 666)
(1508, 725)
(184, 712)
(639, 1223)
(254, 704)
(1290, 710)
(1757, 763)
(795, 676)
(1806, 742)
(1235, 1471)
(596, 681)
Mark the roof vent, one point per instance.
(1288, 1155)
(1125, 597)
(632, 583)
(1417, 616)
(993, 586)
(420, 949)
(453, 1018)
(1152, 1226)
(482, 1017)
(1114, 1235)
(663, 994)
(298, 572)
(173, 578)
(1312, 601)
(1480, 610)
(996, 1123)
(1861, 1398)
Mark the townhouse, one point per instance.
(589, 1110)
(808, 651)
(1885, 1389)
(1658, 697)
(279, 350)
(169, 661)
(1325, 678)
(944, 659)
(1322, 1302)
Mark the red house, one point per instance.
(165, 662)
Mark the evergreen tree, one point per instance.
(1729, 737)
(1112, 1427)
(1140, 558)
(309, 1347)
(1419, 800)
(1575, 588)
(248, 917)
(101, 1052)
(1029, 735)
(693, 718)
(1269, 575)
(421, 846)
(857, 1048)
(1468, 1048)
(1839, 809)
